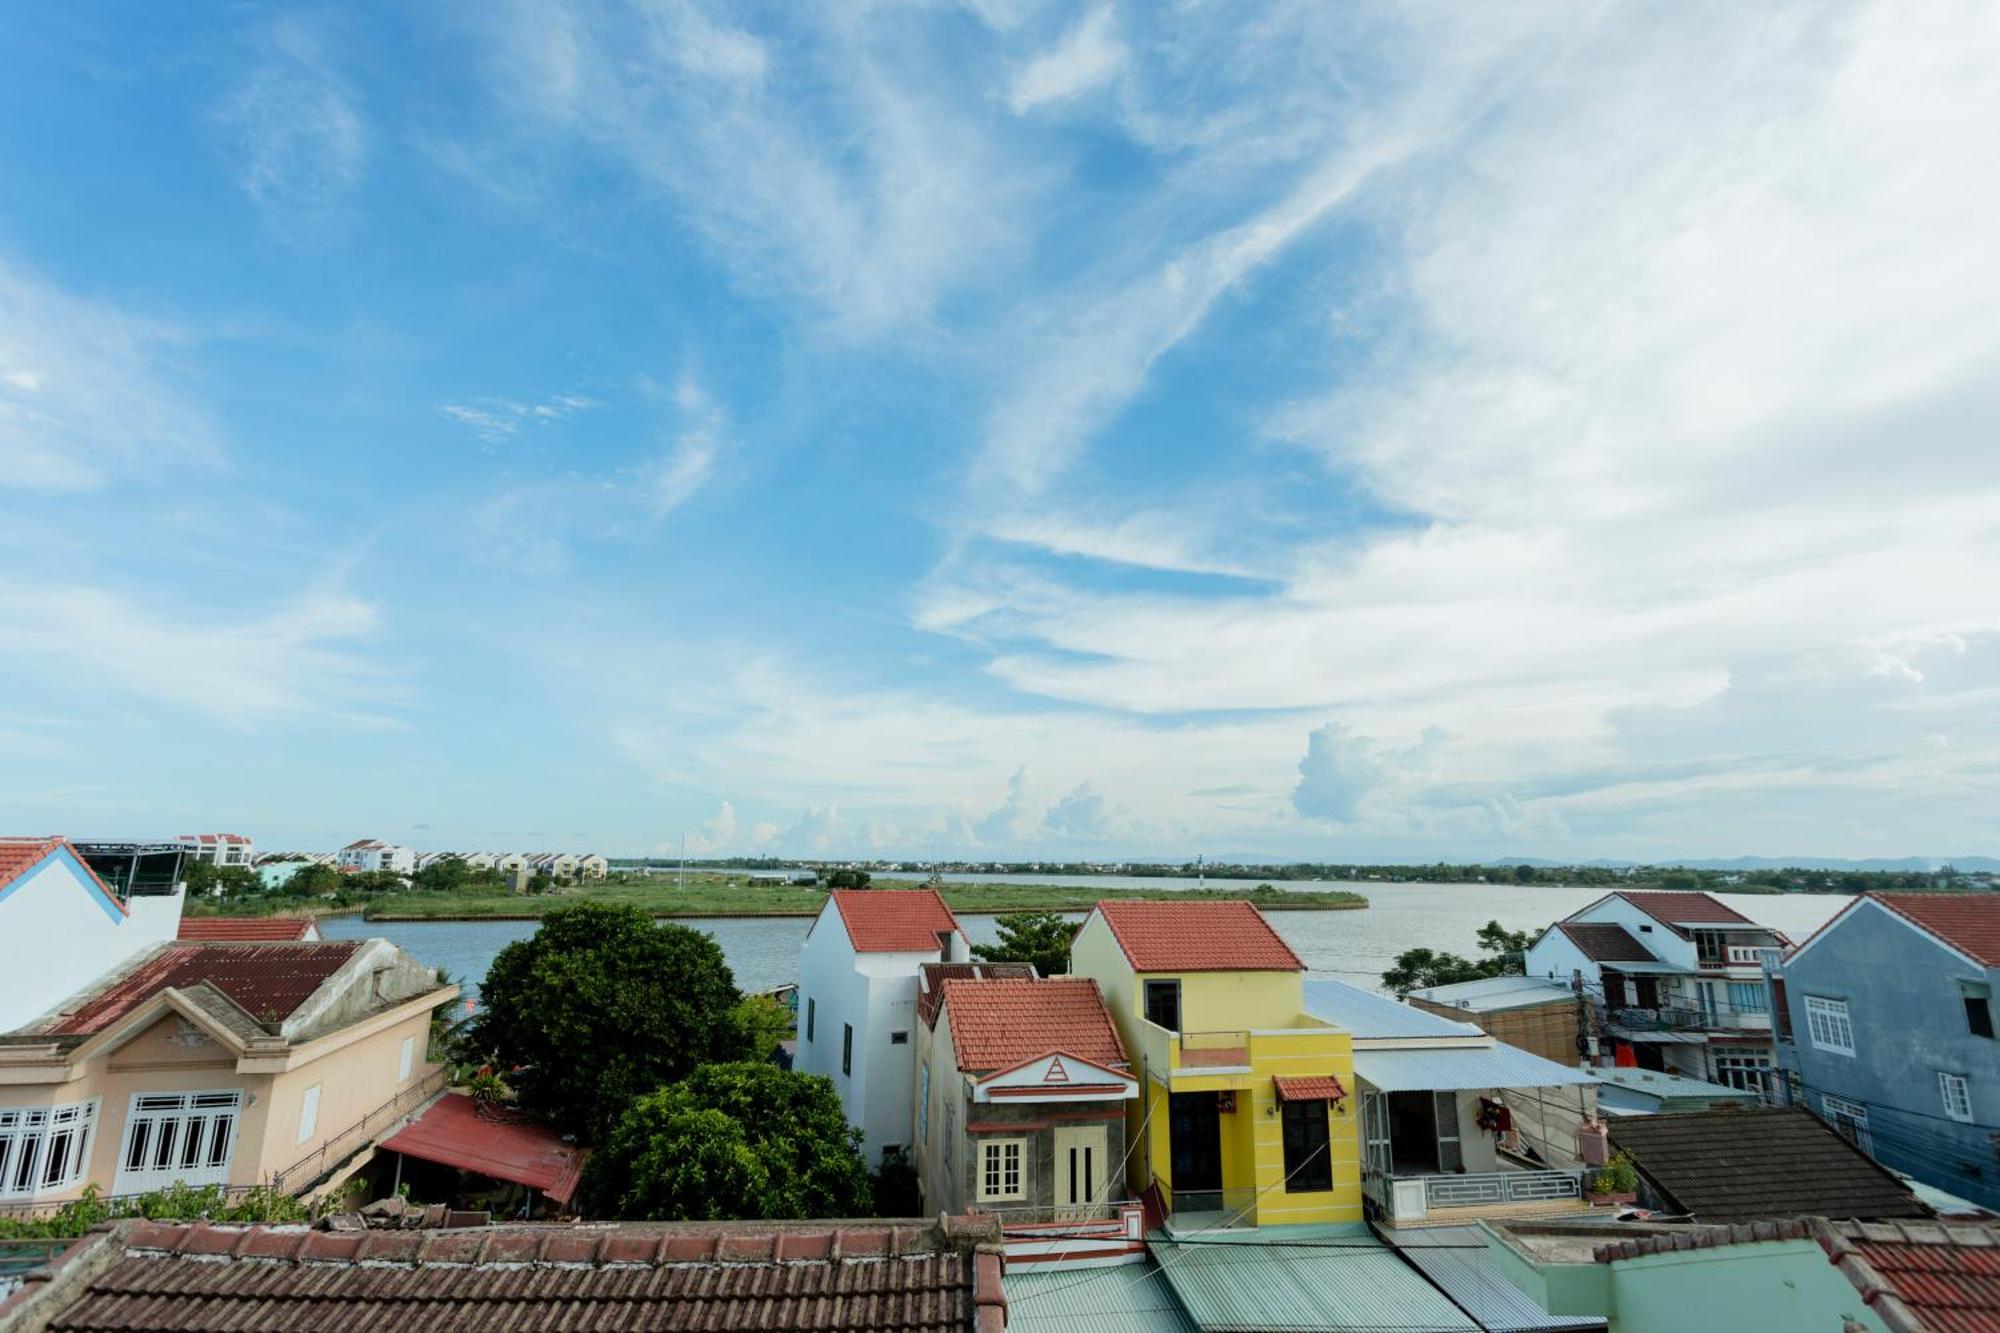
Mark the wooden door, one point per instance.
(1080, 1170)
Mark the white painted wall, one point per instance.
(1657, 936)
(57, 936)
(1555, 956)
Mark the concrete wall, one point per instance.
(1555, 957)
(60, 931)
(1736, 1289)
(1908, 1014)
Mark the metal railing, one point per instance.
(321, 1161)
(1054, 1214)
(1494, 1188)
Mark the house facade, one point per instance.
(222, 849)
(1020, 1101)
(1244, 1116)
(373, 854)
(1676, 981)
(1888, 1034)
(858, 1002)
(61, 925)
(217, 1064)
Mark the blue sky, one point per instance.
(1002, 429)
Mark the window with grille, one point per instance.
(44, 1147)
(1849, 1120)
(184, 1136)
(1957, 1097)
(1828, 1026)
(1001, 1169)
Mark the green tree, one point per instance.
(1041, 938)
(541, 882)
(731, 1141)
(764, 1023)
(1417, 968)
(442, 875)
(314, 881)
(848, 879)
(601, 1005)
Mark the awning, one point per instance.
(502, 1144)
(1456, 1069)
(1324, 1088)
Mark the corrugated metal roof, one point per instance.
(1127, 1299)
(1324, 1277)
(457, 1132)
(1492, 994)
(1653, 1083)
(1458, 1263)
(1366, 1014)
(1463, 1068)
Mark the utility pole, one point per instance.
(1586, 1031)
(681, 875)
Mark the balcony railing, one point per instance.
(1413, 1198)
(1681, 1018)
(1055, 1216)
(323, 1160)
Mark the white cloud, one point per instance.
(1088, 55)
(1084, 813)
(295, 139)
(690, 460)
(1340, 769)
(498, 419)
(718, 834)
(298, 660)
(88, 392)
(1012, 820)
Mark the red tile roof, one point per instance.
(893, 920)
(1003, 1023)
(458, 1132)
(245, 927)
(265, 979)
(1605, 942)
(1310, 1089)
(1675, 909)
(1214, 936)
(1920, 1277)
(816, 1277)
(930, 976)
(19, 855)
(1969, 922)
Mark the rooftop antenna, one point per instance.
(1200, 871)
(680, 875)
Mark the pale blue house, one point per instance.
(1887, 1032)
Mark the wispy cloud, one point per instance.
(1087, 56)
(498, 419)
(293, 133)
(690, 460)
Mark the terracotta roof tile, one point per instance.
(265, 979)
(1969, 922)
(1945, 1277)
(931, 976)
(1322, 1088)
(1675, 909)
(1605, 942)
(1000, 1024)
(19, 855)
(242, 928)
(893, 920)
(1213, 936)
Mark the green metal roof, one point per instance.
(1129, 1298)
(1334, 1278)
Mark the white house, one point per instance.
(223, 849)
(858, 1001)
(62, 928)
(373, 854)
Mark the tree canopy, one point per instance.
(1041, 938)
(740, 1140)
(848, 879)
(1418, 968)
(601, 1006)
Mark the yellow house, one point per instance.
(1244, 1116)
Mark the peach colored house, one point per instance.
(238, 1064)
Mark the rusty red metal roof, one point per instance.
(245, 928)
(816, 1277)
(893, 920)
(1323, 1088)
(1216, 936)
(269, 981)
(997, 1024)
(505, 1145)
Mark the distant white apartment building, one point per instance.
(62, 927)
(858, 1001)
(222, 849)
(374, 854)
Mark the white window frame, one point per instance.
(1839, 1110)
(166, 1126)
(1829, 1025)
(998, 1160)
(45, 1149)
(309, 1113)
(1957, 1096)
(406, 1060)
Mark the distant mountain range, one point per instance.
(1974, 865)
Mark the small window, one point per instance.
(1645, 930)
(847, 1048)
(1001, 1173)
(1957, 1097)
(1978, 1008)
(309, 1113)
(1308, 1152)
(1828, 1025)
(1163, 1004)
(407, 1060)
(899, 1039)
(1849, 1120)
(812, 1017)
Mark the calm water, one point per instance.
(1352, 946)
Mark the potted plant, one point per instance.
(1616, 1182)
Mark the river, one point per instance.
(1351, 946)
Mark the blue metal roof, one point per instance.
(1127, 1298)
(1458, 1263)
(1315, 1277)
(1366, 1014)
(1493, 994)
(1463, 1068)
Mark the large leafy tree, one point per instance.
(728, 1141)
(1041, 938)
(1418, 968)
(601, 1006)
